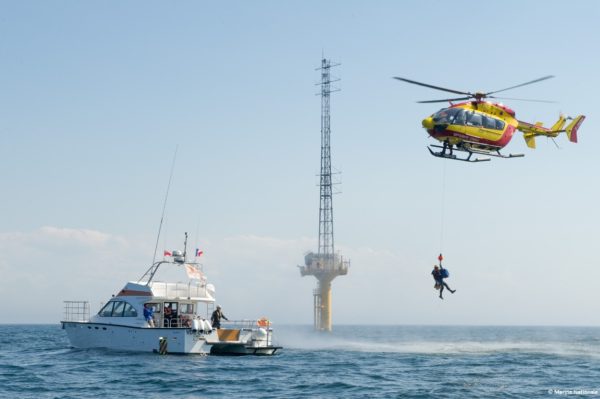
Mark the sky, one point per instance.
(97, 97)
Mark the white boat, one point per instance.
(120, 324)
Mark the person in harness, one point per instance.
(439, 274)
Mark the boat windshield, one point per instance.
(117, 309)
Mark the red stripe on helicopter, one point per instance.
(501, 142)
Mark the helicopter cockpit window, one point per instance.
(499, 124)
(474, 119)
(460, 117)
(446, 115)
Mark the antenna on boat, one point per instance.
(165, 205)
(185, 248)
(155, 265)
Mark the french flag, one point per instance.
(198, 252)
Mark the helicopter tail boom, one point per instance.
(531, 131)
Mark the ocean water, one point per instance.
(36, 361)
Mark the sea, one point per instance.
(37, 361)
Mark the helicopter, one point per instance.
(481, 127)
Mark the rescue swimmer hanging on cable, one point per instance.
(482, 127)
(439, 274)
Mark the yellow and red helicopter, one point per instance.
(482, 127)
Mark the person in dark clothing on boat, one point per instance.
(216, 317)
(438, 274)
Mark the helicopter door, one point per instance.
(459, 121)
(492, 128)
(474, 125)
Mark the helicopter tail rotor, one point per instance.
(573, 127)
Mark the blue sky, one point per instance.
(97, 95)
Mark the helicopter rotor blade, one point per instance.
(522, 84)
(523, 99)
(444, 101)
(432, 86)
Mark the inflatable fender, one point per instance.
(196, 325)
(206, 326)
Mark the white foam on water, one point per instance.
(311, 341)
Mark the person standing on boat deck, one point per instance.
(149, 314)
(438, 276)
(216, 317)
(168, 315)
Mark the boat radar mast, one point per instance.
(178, 258)
(325, 265)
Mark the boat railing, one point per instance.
(251, 324)
(77, 311)
(179, 321)
(248, 324)
(179, 290)
(238, 324)
(243, 324)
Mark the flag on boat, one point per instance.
(194, 272)
(198, 252)
(167, 253)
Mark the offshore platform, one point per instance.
(325, 265)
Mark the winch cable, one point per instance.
(442, 207)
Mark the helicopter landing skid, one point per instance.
(495, 153)
(450, 155)
(447, 152)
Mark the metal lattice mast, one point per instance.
(326, 241)
(325, 265)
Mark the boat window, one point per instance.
(118, 309)
(129, 311)
(106, 311)
(474, 119)
(186, 308)
(499, 124)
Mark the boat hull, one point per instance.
(137, 339)
(242, 349)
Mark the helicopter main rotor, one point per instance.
(478, 96)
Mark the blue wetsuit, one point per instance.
(148, 313)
